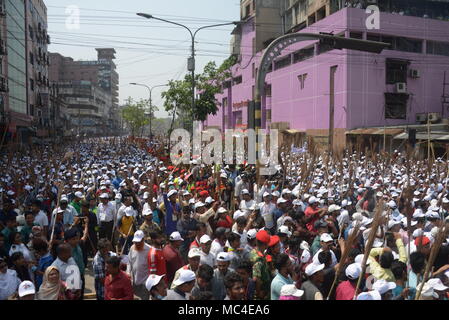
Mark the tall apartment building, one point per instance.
(24, 112)
(37, 67)
(90, 90)
(397, 88)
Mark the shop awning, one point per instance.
(376, 131)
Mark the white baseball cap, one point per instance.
(172, 192)
(194, 252)
(221, 210)
(118, 196)
(313, 268)
(238, 214)
(79, 194)
(129, 211)
(276, 194)
(370, 295)
(104, 196)
(281, 200)
(176, 236)
(285, 230)
(147, 212)
(290, 290)
(333, 207)
(245, 191)
(393, 223)
(146, 195)
(223, 256)
(138, 236)
(199, 205)
(184, 276)
(305, 256)
(326, 237)
(205, 239)
(359, 259)
(428, 291)
(437, 284)
(312, 200)
(26, 288)
(251, 234)
(209, 200)
(383, 286)
(153, 280)
(266, 194)
(353, 271)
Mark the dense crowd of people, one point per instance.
(353, 227)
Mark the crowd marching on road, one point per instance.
(343, 227)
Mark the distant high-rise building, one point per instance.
(90, 89)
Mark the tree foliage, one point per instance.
(178, 98)
(134, 115)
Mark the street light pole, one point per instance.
(151, 99)
(191, 60)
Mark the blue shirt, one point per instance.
(116, 182)
(44, 263)
(170, 224)
(276, 285)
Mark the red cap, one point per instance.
(424, 240)
(170, 168)
(263, 236)
(274, 240)
(204, 193)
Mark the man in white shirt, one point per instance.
(240, 185)
(68, 269)
(40, 218)
(127, 202)
(138, 265)
(267, 212)
(106, 216)
(207, 257)
(247, 203)
(69, 213)
(219, 241)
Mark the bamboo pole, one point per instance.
(369, 244)
(433, 254)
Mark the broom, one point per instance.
(433, 254)
(347, 248)
(375, 225)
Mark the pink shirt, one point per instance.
(345, 291)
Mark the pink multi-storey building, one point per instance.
(398, 88)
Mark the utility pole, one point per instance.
(191, 64)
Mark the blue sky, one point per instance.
(148, 51)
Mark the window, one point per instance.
(396, 105)
(356, 35)
(268, 90)
(226, 84)
(32, 84)
(254, 70)
(237, 80)
(254, 46)
(373, 37)
(439, 48)
(408, 45)
(396, 71)
(247, 10)
(30, 28)
(324, 47)
(254, 92)
(303, 54)
(32, 58)
(268, 115)
(283, 62)
(302, 80)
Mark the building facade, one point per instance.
(37, 67)
(90, 90)
(367, 90)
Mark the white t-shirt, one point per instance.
(216, 247)
(266, 211)
(334, 258)
(41, 219)
(208, 259)
(138, 264)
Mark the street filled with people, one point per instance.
(357, 225)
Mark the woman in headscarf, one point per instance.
(9, 282)
(52, 287)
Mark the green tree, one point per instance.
(178, 98)
(134, 115)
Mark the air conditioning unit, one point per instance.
(421, 117)
(401, 87)
(434, 117)
(414, 74)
